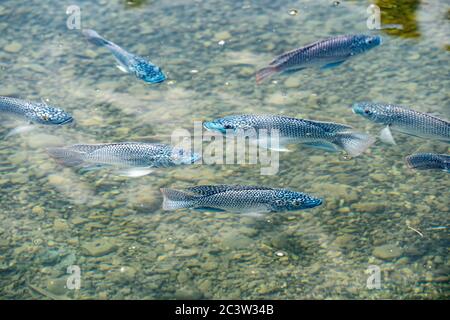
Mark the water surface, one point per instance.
(376, 211)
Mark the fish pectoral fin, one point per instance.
(280, 149)
(209, 209)
(386, 136)
(323, 145)
(266, 144)
(121, 68)
(253, 214)
(293, 70)
(20, 130)
(134, 172)
(332, 65)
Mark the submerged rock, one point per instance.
(99, 247)
(387, 252)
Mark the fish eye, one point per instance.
(368, 112)
(227, 126)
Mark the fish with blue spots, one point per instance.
(404, 120)
(128, 62)
(428, 161)
(34, 113)
(131, 159)
(329, 136)
(238, 199)
(324, 54)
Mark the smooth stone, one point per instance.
(99, 247)
(13, 47)
(57, 286)
(186, 293)
(60, 225)
(387, 252)
(369, 207)
(223, 35)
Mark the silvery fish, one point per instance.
(428, 161)
(34, 112)
(238, 199)
(137, 158)
(325, 54)
(128, 62)
(404, 120)
(324, 135)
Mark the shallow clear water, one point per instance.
(113, 227)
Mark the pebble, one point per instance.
(369, 207)
(37, 210)
(186, 293)
(387, 252)
(60, 225)
(57, 286)
(223, 35)
(99, 247)
(13, 47)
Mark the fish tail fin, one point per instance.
(66, 157)
(354, 143)
(93, 37)
(265, 73)
(175, 199)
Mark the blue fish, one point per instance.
(428, 161)
(238, 199)
(327, 53)
(329, 136)
(133, 159)
(34, 113)
(127, 62)
(405, 120)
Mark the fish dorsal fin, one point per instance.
(211, 190)
(285, 56)
(86, 148)
(331, 126)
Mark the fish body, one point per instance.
(132, 155)
(127, 62)
(404, 120)
(326, 53)
(35, 112)
(238, 199)
(325, 135)
(428, 161)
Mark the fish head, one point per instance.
(149, 72)
(231, 124)
(286, 200)
(184, 156)
(361, 43)
(45, 114)
(375, 112)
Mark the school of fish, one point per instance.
(135, 159)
